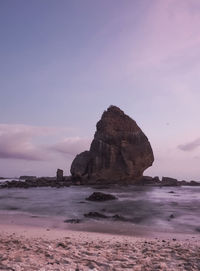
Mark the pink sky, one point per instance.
(64, 63)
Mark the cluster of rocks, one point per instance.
(38, 182)
(26, 177)
(98, 197)
(31, 181)
(165, 181)
(67, 181)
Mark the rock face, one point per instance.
(80, 164)
(119, 152)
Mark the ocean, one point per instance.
(167, 208)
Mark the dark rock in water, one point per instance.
(172, 216)
(98, 196)
(167, 181)
(59, 174)
(12, 208)
(119, 152)
(171, 192)
(119, 218)
(73, 221)
(95, 215)
(100, 215)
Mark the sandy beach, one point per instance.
(46, 248)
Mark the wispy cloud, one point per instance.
(71, 145)
(190, 146)
(18, 141)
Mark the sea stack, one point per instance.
(119, 152)
(59, 174)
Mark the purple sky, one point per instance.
(63, 62)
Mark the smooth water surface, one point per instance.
(166, 208)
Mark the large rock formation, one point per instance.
(119, 152)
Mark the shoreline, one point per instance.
(117, 228)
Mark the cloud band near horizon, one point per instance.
(17, 141)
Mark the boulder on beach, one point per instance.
(119, 152)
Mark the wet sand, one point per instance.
(26, 247)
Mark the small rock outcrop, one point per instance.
(95, 215)
(119, 152)
(72, 221)
(59, 174)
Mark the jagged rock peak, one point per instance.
(114, 120)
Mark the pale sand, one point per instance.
(38, 248)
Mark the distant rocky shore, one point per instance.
(67, 181)
(36, 182)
